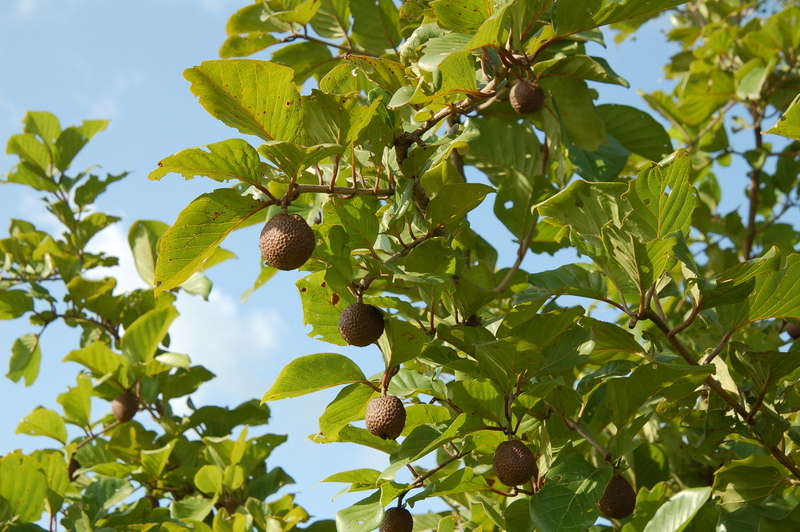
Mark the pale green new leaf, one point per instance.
(43, 422)
(386, 73)
(97, 357)
(221, 161)
(255, 97)
(349, 405)
(662, 199)
(199, 230)
(311, 373)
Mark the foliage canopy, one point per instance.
(659, 358)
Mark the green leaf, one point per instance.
(643, 263)
(23, 485)
(208, 479)
(143, 336)
(292, 158)
(77, 402)
(376, 25)
(311, 373)
(332, 119)
(387, 74)
(776, 295)
(461, 16)
(349, 405)
(788, 124)
(363, 516)
(678, 510)
(636, 130)
(322, 306)
(199, 230)
(357, 216)
(222, 161)
(97, 357)
(255, 97)
(14, 303)
(43, 422)
(154, 460)
(306, 58)
(26, 357)
(625, 395)
(586, 207)
(73, 139)
(143, 237)
(662, 199)
(568, 500)
(572, 16)
(462, 481)
(580, 67)
(585, 128)
(191, 508)
(749, 480)
(577, 279)
(738, 282)
(242, 46)
(454, 200)
(401, 341)
(54, 468)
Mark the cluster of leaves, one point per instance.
(687, 388)
(168, 472)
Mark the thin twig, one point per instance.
(521, 251)
(573, 425)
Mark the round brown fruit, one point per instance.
(361, 324)
(526, 97)
(514, 463)
(386, 416)
(72, 468)
(124, 406)
(619, 499)
(397, 520)
(793, 329)
(286, 241)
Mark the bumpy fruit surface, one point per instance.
(526, 97)
(514, 463)
(386, 416)
(286, 241)
(124, 406)
(397, 520)
(619, 499)
(361, 324)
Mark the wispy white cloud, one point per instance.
(237, 343)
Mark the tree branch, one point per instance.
(753, 190)
(574, 425)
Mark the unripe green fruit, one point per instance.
(514, 463)
(124, 406)
(286, 241)
(397, 520)
(526, 97)
(386, 416)
(361, 324)
(619, 499)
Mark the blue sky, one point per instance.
(83, 59)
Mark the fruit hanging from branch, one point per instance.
(286, 241)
